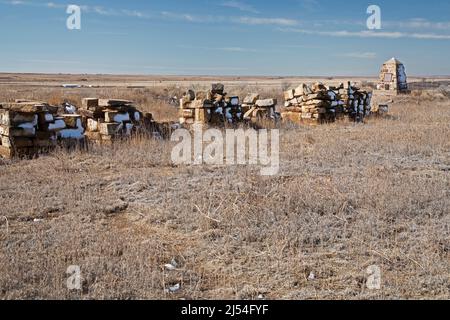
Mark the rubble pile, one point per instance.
(107, 120)
(322, 104)
(312, 105)
(212, 107)
(28, 128)
(357, 102)
(256, 109)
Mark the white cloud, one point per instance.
(48, 61)
(226, 49)
(301, 46)
(419, 23)
(265, 21)
(344, 33)
(86, 8)
(240, 6)
(359, 55)
(430, 36)
(102, 11)
(135, 13)
(187, 17)
(408, 25)
(16, 2)
(175, 69)
(370, 34)
(238, 20)
(55, 5)
(19, 3)
(237, 49)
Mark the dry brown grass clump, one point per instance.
(348, 196)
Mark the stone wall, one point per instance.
(319, 103)
(107, 120)
(28, 128)
(211, 107)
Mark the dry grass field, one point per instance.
(348, 196)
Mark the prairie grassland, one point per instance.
(348, 196)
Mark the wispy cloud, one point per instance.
(53, 5)
(237, 49)
(21, 3)
(16, 2)
(100, 10)
(136, 13)
(265, 21)
(226, 49)
(429, 36)
(116, 12)
(195, 69)
(415, 28)
(183, 16)
(359, 55)
(187, 17)
(369, 34)
(418, 23)
(240, 6)
(48, 61)
(301, 46)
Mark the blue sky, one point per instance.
(224, 37)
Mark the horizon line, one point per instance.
(213, 75)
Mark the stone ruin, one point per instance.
(215, 107)
(393, 77)
(107, 120)
(211, 107)
(321, 104)
(28, 128)
(256, 109)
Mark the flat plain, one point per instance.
(348, 196)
